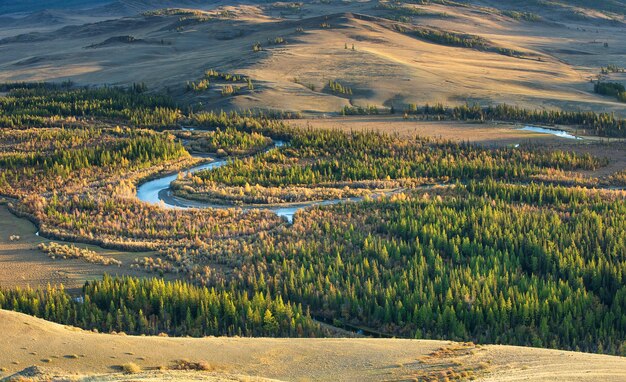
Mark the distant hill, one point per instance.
(386, 53)
(616, 6)
(30, 6)
(131, 6)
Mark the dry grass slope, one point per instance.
(26, 341)
(165, 50)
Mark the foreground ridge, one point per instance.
(59, 350)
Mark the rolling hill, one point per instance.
(438, 53)
(60, 351)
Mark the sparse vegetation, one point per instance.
(200, 86)
(463, 40)
(337, 88)
(131, 368)
(525, 16)
(226, 80)
(173, 12)
(62, 251)
(288, 7)
(404, 12)
(612, 68)
(257, 47)
(228, 77)
(183, 364)
(277, 41)
(308, 85)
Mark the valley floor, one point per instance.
(488, 134)
(22, 264)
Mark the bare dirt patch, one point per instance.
(23, 264)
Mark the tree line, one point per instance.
(42, 104)
(462, 40)
(602, 124)
(39, 160)
(153, 306)
(612, 89)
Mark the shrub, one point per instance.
(131, 368)
(183, 364)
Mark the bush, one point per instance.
(131, 368)
(184, 364)
(609, 88)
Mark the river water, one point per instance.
(558, 133)
(157, 191)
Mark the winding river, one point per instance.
(558, 133)
(158, 191)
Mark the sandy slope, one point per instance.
(26, 341)
(385, 67)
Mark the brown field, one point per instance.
(386, 67)
(27, 341)
(23, 264)
(488, 134)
